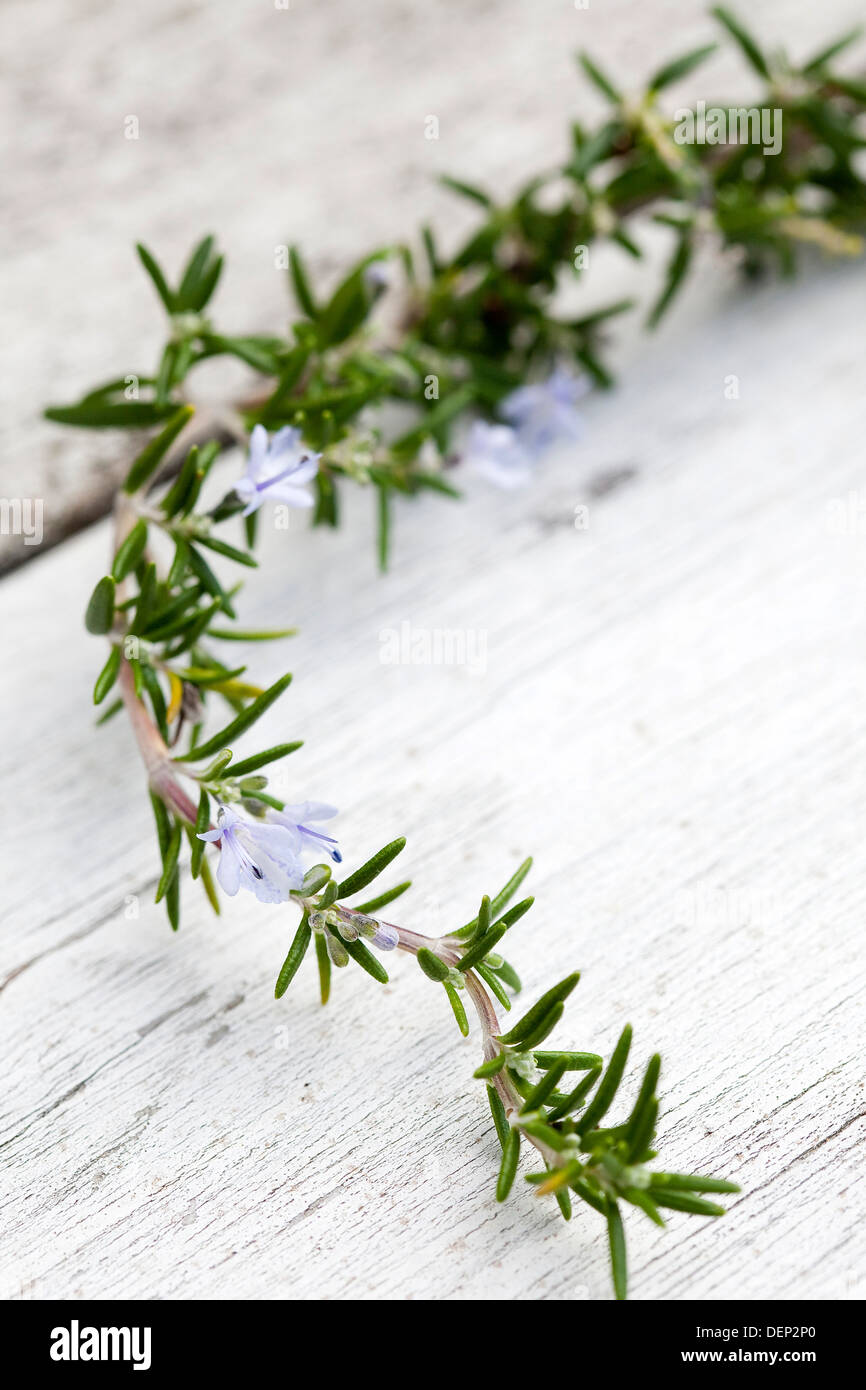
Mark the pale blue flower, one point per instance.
(380, 934)
(299, 823)
(544, 412)
(276, 470)
(254, 855)
(385, 936)
(497, 453)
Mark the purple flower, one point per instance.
(543, 413)
(497, 453)
(298, 822)
(276, 468)
(262, 858)
(385, 936)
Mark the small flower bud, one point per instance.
(386, 937)
(336, 950)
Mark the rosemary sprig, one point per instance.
(480, 338)
(474, 324)
(603, 1164)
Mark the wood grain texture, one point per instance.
(264, 126)
(668, 713)
(670, 716)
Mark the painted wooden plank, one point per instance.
(668, 711)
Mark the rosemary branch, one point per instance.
(480, 356)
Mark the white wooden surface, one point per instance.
(671, 718)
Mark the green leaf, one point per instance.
(680, 67)
(466, 190)
(151, 457)
(163, 824)
(509, 975)
(237, 726)
(315, 879)
(172, 902)
(281, 750)
(748, 45)
(510, 1155)
(636, 1137)
(246, 635)
(209, 886)
(528, 1024)
(589, 1195)
(113, 415)
(491, 1067)
(540, 1130)
(385, 898)
(169, 861)
(208, 283)
(575, 1061)
(209, 582)
(435, 420)
(483, 919)
(165, 377)
(500, 1120)
(373, 867)
(301, 285)
(609, 1084)
(367, 961)
(156, 275)
(564, 1203)
(505, 894)
(114, 708)
(179, 563)
(502, 897)
(692, 1182)
(107, 676)
(240, 557)
(433, 967)
(202, 822)
(323, 961)
(346, 310)
(297, 951)
(480, 948)
(146, 599)
(597, 77)
(540, 1092)
(178, 494)
(676, 272)
(683, 1201)
(616, 1240)
(570, 1103)
(638, 1198)
(259, 353)
(195, 279)
(514, 913)
(457, 1005)
(430, 249)
(543, 1028)
(640, 1138)
(493, 984)
(99, 615)
(826, 55)
(130, 551)
(383, 513)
